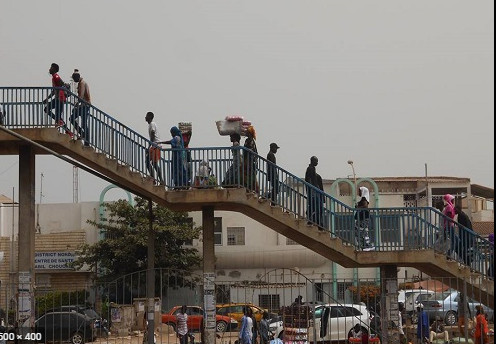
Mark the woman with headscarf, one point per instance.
(362, 220)
(250, 160)
(246, 330)
(179, 171)
(449, 224)
(233, 174)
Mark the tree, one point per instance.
(124, 247)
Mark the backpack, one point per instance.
(66, 87)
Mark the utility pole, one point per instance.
(38, 227)
(75, 184)
(427, 187)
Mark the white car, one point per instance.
(411, 297)
(340, 319)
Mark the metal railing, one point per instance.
(380, 229)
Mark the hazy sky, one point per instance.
(390, 84)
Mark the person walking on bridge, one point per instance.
(466, 249)
(250, 160)
(272, 175)
(179, 170)
(59, 97)
(315, 199)
(362, 220)
(449, 224)
(152, 154)
(81, 108)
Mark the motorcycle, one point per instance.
(101, 328)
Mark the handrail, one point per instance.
(390, 229)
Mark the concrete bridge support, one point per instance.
(27, 229)
(208, 275)
(389, 304)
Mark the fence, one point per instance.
(281, 292)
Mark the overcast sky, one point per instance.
(390, 84)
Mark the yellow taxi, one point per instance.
(235, 310)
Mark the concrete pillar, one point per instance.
(389, 304)
(27, 230)
(208, 275)
(150, 276)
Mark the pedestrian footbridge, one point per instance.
(402, 236)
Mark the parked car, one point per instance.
(403, 294)
(195, 318)
(445, 305)
(100, 324)
(410, 298)
(336, 327)
(235, 310)
(70, 327)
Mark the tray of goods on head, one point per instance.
(185, 127)
(230, 125)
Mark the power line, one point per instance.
(8, 168)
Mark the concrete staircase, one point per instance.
(239, 200)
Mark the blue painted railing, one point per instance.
(390, 229)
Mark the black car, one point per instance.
(100, 324)
(88, 311)
(70, 327)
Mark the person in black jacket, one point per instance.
(465, 250)
(315, 199)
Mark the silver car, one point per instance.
(445, 305)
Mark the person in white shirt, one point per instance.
(182, 325)
(153, 152)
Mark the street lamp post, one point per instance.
(350, 162)
(353, 199)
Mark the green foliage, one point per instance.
(56, 299)
(124, 249)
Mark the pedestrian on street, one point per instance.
(246, 330)
(182, 325)
(272, 175)
(423, 325)
(152, 154)
(255, 325)
(81, 108)
(462, 311)
(264, 328)
(481, 328)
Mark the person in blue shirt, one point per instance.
(423, 328)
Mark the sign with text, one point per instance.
(53, 260)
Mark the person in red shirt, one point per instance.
(56, 104)
(481, 328)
